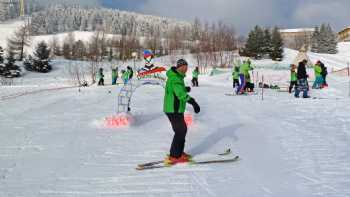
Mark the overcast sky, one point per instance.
(244, 14)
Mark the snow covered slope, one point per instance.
(52, 145)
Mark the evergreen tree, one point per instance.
(260, 38)
(10, 58)
(277, 45)
(251, 46)
(42, 51)
(324, 40)
(267, 42)
(315, 40)
(331, 41)
(1, 55)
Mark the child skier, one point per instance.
(293, 78)
(175, 100)
(125, 76)
(324, 74)
(235, 77)
(100, 77)
(318, 81)
(114, 76)
(195, 75)
(243, 76)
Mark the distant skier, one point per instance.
(302, 84)
(319, 80)
(175, 100)
(114, 76)
(130, 72)
(100, 77)
(324, 74)
(195, 75)
(125, 76)
(293, 78)
(235, 77)
(243, 76)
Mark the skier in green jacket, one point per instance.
(195, 75)
(114, 76)
(235, 77)
(175, 99)
(319, 80)
(293, 77)
(243, 76)
(125, 76)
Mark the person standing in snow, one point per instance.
(324, 74)
(175, 99)
(235, 77)
(114, 76)
(293, 78)
(125, 76)
(319, 80)
(100, 77)
(195, 75)
(243, 76)
(302, 83)
(130, 72)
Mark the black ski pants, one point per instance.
(179, 126)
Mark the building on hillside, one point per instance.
(297, 38)
(344, 35)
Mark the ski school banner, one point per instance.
(154, 73)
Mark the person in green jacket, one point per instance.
(293, 78)
(243, 76)
(114, 76)
(175, 99)
(125, 76)
(195, 75)
(319, 80)
(235, 77)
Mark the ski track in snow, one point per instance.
(288, 147)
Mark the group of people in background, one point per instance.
(299, 78)
(242, 81)
(126, 75)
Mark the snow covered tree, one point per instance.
(42, 51)
(79, 50)
(324, 40)
(1, 55)
(331, 41)
(3, 11)
(277, 45)
(267, 42)
(67, 49)
(19, 40)
(255, 43)
(55, 47)
(315, 40)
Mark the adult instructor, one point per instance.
(175, 99)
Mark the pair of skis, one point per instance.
(161, 164)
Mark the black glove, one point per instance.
(188, 89)
(195, 105)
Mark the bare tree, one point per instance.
(19, 40)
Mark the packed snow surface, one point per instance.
(53, 143)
